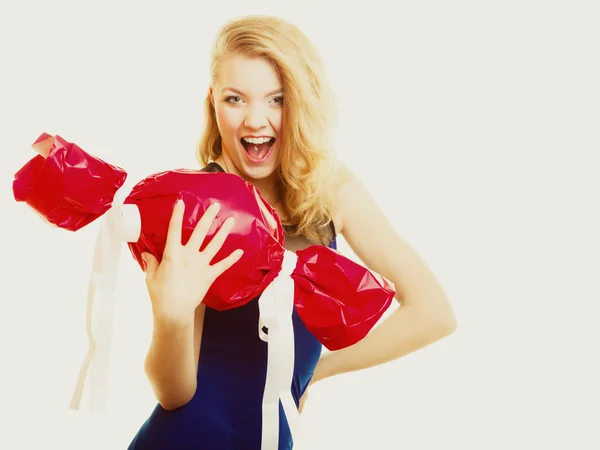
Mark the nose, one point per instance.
(256, 117)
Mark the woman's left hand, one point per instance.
(305, 396)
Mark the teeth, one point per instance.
(256, 140)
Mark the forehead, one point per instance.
(249, 75)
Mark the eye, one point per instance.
(278, 100)
(233, 99)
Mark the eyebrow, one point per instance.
(237, 91)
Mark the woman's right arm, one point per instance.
(171, 364)
(177, 285)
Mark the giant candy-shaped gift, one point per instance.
(338, 300)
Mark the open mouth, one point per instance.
(258, 149)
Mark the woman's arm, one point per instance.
(171, 364)
(177, 286)
(425, 314)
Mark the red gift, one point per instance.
(338, 300)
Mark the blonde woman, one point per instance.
(269, 115)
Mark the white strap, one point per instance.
(120, 223)
(276, 305)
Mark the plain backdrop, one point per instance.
(473, 124)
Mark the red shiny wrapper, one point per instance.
(338, 300)
(156, 196)
(70, 188)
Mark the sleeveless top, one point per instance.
(226, 410)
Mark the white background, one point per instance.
(473, 124)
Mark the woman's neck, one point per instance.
(267, 186)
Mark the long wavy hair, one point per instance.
(307, 160)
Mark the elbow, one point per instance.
(171, 405)
(444, 324)
(171, 393)
(440, 322)
(173, 401)
(448, 326)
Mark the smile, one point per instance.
(257, 148)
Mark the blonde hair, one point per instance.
(307, 159)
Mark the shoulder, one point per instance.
(345, 186)
(364, 226)
(375, 241)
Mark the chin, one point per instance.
(259, 173)
(258, 170)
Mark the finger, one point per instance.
(44, 144)
(218, 239)
(151, 264)
(226, 263)
(175, 224)
(302, 401)
(202, 227)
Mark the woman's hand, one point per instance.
(179, 283)
(305, 396)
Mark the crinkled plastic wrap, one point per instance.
(70, 188)
(155, 197)
(338, 300)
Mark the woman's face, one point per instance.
(248, 97)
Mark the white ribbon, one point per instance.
(120, 223)
(276, 305)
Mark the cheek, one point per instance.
(277, 121)
(228, 120)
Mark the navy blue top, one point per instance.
(226, 410)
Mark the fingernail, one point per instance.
(216, 205)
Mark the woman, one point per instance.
(269, 120)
